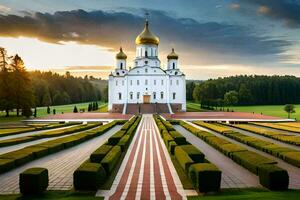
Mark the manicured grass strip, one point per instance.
(187, 156)
(248, 159)
(49, 134)
(107, 159)
(27, 154)
(284, 127)
(283, 137)
(32, 127)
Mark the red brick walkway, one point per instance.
(146, 172)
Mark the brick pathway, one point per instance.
(147, 171)
(294, 172)
(233, 175)
(61, 165)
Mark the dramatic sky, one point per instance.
(213, 38)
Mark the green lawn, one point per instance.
(42, 111)
(194, 107)
(272, 110)
(250, 194)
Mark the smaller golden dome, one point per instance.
(146, 37)
(172, 55)
(121, 54)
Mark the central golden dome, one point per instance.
(146, 37)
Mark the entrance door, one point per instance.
(146, 98)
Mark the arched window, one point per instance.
(138, 95)
(154, 82)
(174, 95)
(131, 95)
(146, 82)
(154, 95)
(117, 81)
(130, 82)
(162, 95)
(177, 82)
(146, 70)
(173, 65)
(121, 65)
(138, 82)
(170, 82)
(146, 53)
(120, 95)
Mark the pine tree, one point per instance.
(89, 108)
(35, 112)
(26, 110)
(75, 110)
(6, 91)
(48, 110)
(22, 88)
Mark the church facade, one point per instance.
(146, 82)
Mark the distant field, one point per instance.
(42, 111)
(272, 110)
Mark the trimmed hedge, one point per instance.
(100, 153)
(33, 181)
(124, 142)
(273, 177)
(49, 134)
(6, 164)
(206, 177)
(111, 159)
(172, 146)
(89, 176)
(178, 138)
(195, 154)
(113, 140)
(167, 138)
(183, 158)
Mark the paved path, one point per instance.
(233, 175)
(26, 144)
(294, 172)
(266, 138)
(32, 133)
(61, 165)
(147, 171)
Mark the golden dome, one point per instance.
(121, 54)
(172, 55)
(146, 37)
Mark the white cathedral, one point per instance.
(146, 87)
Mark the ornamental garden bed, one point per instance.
(204, 176)
(19, 157)
(250, 160)
(103, 164)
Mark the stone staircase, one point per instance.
(147, 108)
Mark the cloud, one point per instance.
(112, 29)
(287, 11)
(4, 9)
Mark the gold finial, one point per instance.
(172, 55)
(121, 54)
(146, 37)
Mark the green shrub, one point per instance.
(292, 157)
(14, 141)
(52, 146)
(167, 138)
(178, 138)
(6, 164)
(206, 177)
(124, 142)
(195, 154)
(89, 176)
(216, 141)
(172, 146)
(33, 181)
(183, 158)
(273, 177)
(100, 153)
(111, 159)
(251, 160)
(228, 149)
(37, 151)
(113, 140)
(19, 156)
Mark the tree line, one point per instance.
(21, 90)
(245, 90)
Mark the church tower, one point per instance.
(172, 60)
(121, 60)
(147, 48)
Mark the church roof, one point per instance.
(172, 55)
(146, 37)
(121, 54)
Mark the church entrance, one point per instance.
(146, 98)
